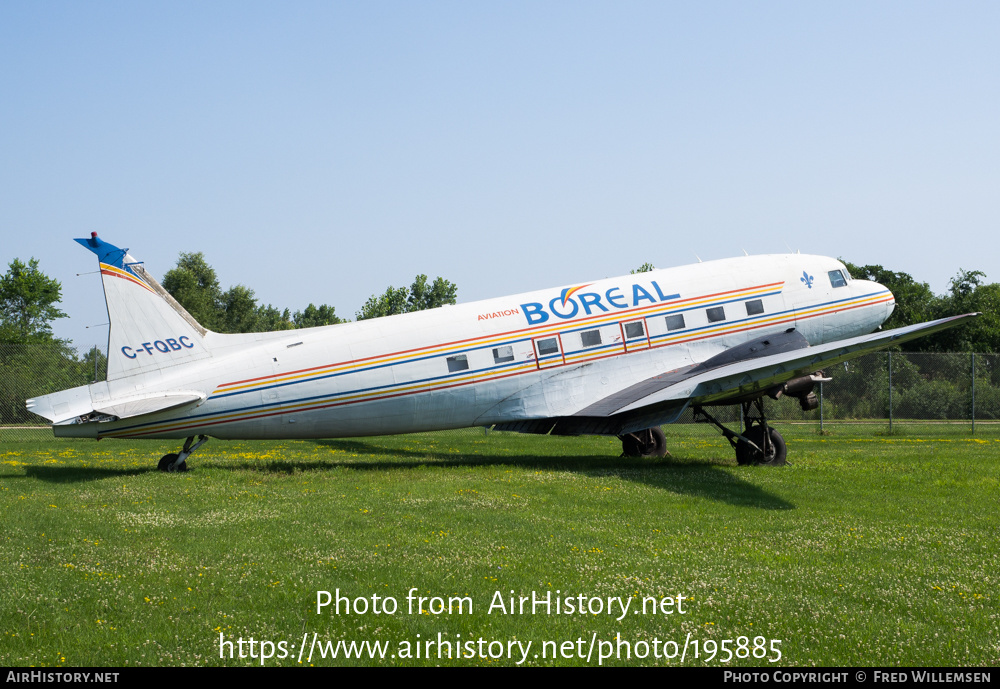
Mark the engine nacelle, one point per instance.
(801, 388)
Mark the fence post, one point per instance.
(973, 393)
(821, 408)
(890, 392)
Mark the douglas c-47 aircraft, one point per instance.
(618, 357)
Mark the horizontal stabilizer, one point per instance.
(69, 406)
(147, 404)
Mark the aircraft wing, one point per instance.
(739, 374)
(744, 378)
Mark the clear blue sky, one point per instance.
(322, 151)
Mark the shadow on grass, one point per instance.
(76, 474)
(696, 478)
(701, 478)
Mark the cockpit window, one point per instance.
(837, 278)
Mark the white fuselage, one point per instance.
(537, 355)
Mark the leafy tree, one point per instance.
(644, 268)
(915, 303)
(32, 360)
(392, 302)
(239, 310)
(28, 301)
(195, 286)
(418, 297)
(424, 296)
(314, 316)
(95, 364)
(38, 368)
(968, 293)
(270, 318)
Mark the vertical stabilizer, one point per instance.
(150, 331)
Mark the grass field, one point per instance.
(870, 549)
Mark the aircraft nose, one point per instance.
(884, 298)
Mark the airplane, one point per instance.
(620, 357)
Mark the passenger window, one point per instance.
(837, 278)
(754, 307)
(634, 330)
(716, 314)
(458, 363)
(675, 322)
(591, 338)
(503, 354)
(548, 346)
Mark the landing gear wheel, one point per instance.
(168, 463)
(178, 461)
(650, 442)
(775, 450)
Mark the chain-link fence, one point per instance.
(29, 370)
(885, 388)
(898, 388)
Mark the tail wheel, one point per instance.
(650, 442)
(774, 450)
(169, 463)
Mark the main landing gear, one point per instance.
(650, 442)
(759, 444)
(178, 461)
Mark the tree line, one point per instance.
(29, 302)
(195, 285)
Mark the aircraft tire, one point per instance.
(650, 442)
(748, 456)
(167, 463)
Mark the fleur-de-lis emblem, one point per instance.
(807, 279)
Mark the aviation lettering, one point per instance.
(557, 300)
(588, 299)
(639, 294)
(660, 294)
(618, 296)
(498, 314)
(592, 302)
(165, 346)
(535, 313)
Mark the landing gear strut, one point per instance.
(178, 461)
(650, 442)
(760, 444)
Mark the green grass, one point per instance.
(870, 549)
